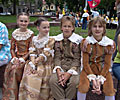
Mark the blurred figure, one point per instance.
(107, 22)
(117, 7)
(77, 21)
(57, 12)
(113, 24)
(85, 17)
(95, 13)
(63, 11)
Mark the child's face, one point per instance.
(44, 28)
(67, 29)
(97, 30)
(23, 21)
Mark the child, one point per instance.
(20, 43)
(34, 84)
(65, 77)
(97, 62)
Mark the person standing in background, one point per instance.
(85, 18)
(117, 7)
(95, 13)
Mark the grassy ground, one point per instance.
(12, 19)
(56, 30)
(53, 30)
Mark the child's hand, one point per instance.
(84, 47)
(60, 77)
(47, 53)
(66, 77)
(97, 91)
(94, 84)
(17, 62)
(96, 87)
(39, 59)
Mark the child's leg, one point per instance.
(81, 96)
(71, 87)
(108, 88)
(109, 97)
(57, 90)
(84, 83)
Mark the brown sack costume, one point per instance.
(97, 62)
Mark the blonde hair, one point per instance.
(94, 21)
(68, 18)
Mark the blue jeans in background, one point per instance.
(116, 70)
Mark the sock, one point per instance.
(109, 97)
(81, 96)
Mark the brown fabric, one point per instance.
(61, 93)
(12, 75)
(21, 46)
(97, 60)
(67, 57)
(12, 81)
(34, 84)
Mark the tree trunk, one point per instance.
(14, 7)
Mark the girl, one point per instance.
(20, 43)
(65, 77)
(97, 62)
(34, 84)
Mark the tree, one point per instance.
(107, 5)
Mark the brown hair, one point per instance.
(22, 13)
(94, 21)
(68, 18)
(39, 21)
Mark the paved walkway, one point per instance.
(14, 25)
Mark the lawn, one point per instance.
(12, 19)
(56, 30)
(53, 30)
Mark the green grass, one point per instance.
(12, 19)
(56, 30)
(53, 30)
(7, 19)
